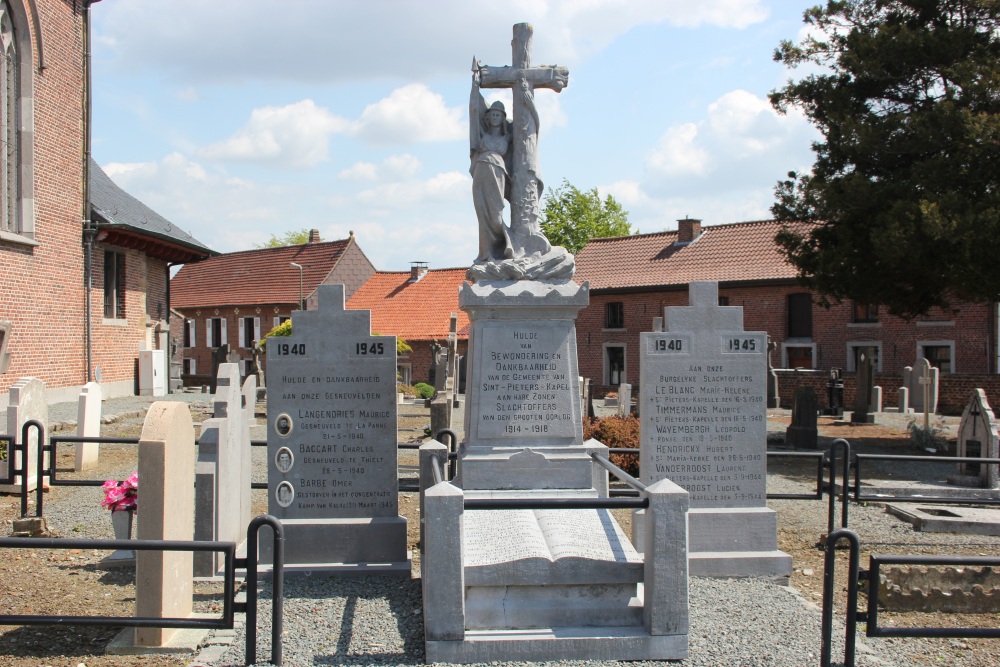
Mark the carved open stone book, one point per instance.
(547, 547)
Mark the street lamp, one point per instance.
(299, 267)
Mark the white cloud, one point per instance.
(450, 186)
(322, 41)
(409, 114)
(295, 135)
(741, 143)
(359, 171)
(394, 168)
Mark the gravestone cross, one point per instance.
(926, 380)
(522, 78)
(703, 426)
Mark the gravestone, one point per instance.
(222, 483)
(834, 394)
(88, 425)
(27, 403)
(803, 432)
(625, 399)
(703, 425)
(164, 586)
(865, 387)
(977, 438)
(921, 381)
(249, 408)
(331, 443)
(546, 584)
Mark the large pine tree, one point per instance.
(904, 196)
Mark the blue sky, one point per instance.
(238, 119)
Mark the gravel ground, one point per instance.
(374, 621)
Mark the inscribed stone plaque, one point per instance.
(331, 433)
(703, 416)
(525, 388)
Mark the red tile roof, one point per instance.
(250, 277)
(418, 310)
(736, 252)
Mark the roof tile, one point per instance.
(262, 276)
(418, 310)
(735, 252)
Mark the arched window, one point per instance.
(9, 124)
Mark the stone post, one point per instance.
(163, 579)
(88, 425)
(428, 452)
(444, 583)
(665, 578)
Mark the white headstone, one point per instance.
(331, 441)
(27, 403)
(88, 425)
(625, 399)
(704, 427)
(915, 378)
(163, 579)
(978, 437)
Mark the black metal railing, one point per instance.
(876, 561)
(826, 622)
(229, 606)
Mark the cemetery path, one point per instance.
(380, 624)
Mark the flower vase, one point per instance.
(121, 521)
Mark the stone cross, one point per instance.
(925, 380)
(523, 79)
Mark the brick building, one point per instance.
(67, 314)
(633, 278)
(416, 306)
(236, 298)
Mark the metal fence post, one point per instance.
(852, 596)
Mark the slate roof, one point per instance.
(418, 310)
(254, 277)
(738, 252)
(125, 221)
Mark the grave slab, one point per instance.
(88, 425)
(948, 518)
(27, 403)
(331, 443)
(703, 425)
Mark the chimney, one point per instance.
(417, 271)
(688, 230)
(313, 236)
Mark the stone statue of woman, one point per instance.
(490, 150)
(505, 166)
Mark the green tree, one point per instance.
(291, 237)
(902, 207)
(571, 217)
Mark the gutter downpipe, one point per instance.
(89, 230)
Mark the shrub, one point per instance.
(617, 432)
(424, 390)
(928, 438)
(283, 329)
(405, 389)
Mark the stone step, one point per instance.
(521, 607)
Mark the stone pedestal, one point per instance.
(523, 424)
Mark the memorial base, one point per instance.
(184, 640)
(363, 545)
(543, 644)
(735, 542)
(524, 467)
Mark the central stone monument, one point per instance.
(542, 582)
